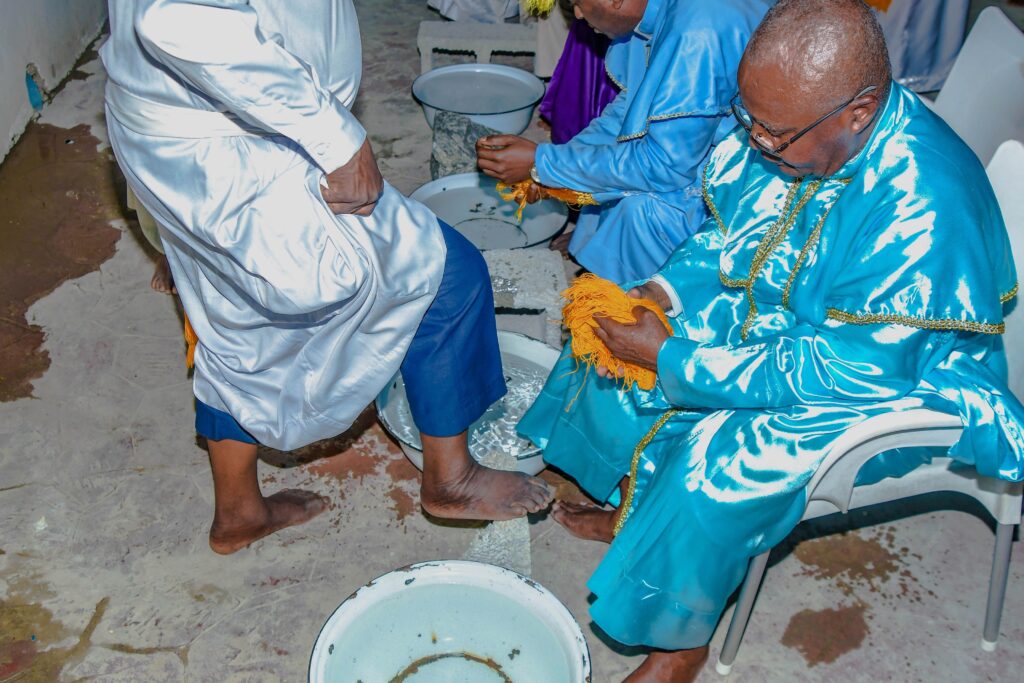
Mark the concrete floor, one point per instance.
(105, 497)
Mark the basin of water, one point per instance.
(451, 620)
(526, 363)
(470, 203)
(500, 97)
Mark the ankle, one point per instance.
(450, 473)
(240, 514)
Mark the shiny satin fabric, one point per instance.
(807, 306)
(302, 315)
(642, 158)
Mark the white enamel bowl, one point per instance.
(393, 406)
(500, 97)
(447, 621)
(470, 203)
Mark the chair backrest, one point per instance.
(833, 483)
(1006, 173)
(983, 98)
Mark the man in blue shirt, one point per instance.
(675, 62)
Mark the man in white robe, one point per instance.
(308, 280)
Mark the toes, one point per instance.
(541, 501)
(519, 511)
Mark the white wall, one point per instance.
(48, 33)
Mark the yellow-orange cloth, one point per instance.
(192, 340)
(591, 296)
(880, 5)
(519, 192)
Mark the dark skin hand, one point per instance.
(639, 342)
(356, 187)
(508, 158)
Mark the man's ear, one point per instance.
(864, 109)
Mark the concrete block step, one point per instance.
(469, 36)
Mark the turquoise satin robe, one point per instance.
(642, 158)
(807, 306)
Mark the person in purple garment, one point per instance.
(580, 88)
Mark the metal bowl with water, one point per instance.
(470, 203)
(500, 97)
(527, 363)
(451, 620)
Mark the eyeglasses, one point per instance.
(775, 151)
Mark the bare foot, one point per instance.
(162, 280)
(283, 509)
(482, 493)
(588, 522)
(681, 666)
(561, 244)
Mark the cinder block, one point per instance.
(468, 36)
(528, 286)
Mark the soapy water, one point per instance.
(495, 431)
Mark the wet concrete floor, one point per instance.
(105, 496)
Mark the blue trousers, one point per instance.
(452, 370)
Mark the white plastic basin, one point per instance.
(470, 203)
(499, 97)
(527, 363)
(451, 620)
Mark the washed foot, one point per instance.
(588, 522)
(485, 494)
(162, 280)
(682, 666)
(283, 509)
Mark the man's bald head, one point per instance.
(812, 80)
(827, 49)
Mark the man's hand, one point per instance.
(508, 158)
(652, 291)
(637, 343)
(355, 187)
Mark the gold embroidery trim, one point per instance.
(627, 502)
(812, 241)
(1009, 295)
(947, 324)
(770, 242)
(611, 77)
(730, 282)
(712, 209)
(647, 128)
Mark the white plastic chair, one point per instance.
(832, 488)
(983, 98)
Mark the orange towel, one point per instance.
(590, 297)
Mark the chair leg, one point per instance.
(740, 617)
(997, 585)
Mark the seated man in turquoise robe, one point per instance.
(675, 62)
(855, 262)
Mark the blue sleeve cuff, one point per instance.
(542, 162)
(673, 357)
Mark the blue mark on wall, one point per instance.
(35, 95)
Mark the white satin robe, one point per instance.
(225, 115)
